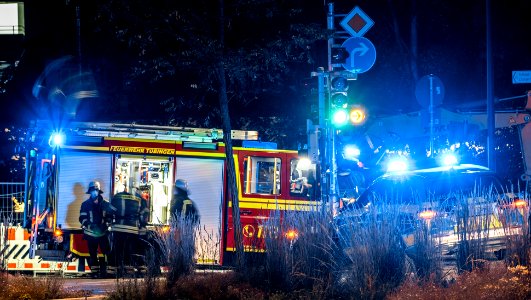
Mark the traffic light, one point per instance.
(341, 111)
(357, 115)
(339, 101)
(338, 55)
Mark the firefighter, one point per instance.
(128, 229)
(181, 205)
(92, 217)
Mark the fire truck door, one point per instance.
(205, 182)
(76, 170)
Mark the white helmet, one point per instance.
(94, 185)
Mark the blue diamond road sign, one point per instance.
(362, 54)
(357, 23)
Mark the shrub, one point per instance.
(375, 255)
(175, 247)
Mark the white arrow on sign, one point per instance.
(362, 49)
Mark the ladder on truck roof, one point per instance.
(154, 132)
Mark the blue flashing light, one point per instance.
(397, 166)
(351, 152)
(57, 139)
(259, 145)
(449, 160)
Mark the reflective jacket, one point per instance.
(131, 213)
(93, 217)
(182, 207)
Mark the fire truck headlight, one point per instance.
(57, 139)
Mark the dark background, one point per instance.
(451, 44)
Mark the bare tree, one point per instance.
(199, 51)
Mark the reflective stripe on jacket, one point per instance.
(92, 216)
(129, 213)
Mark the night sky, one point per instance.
(450, 45)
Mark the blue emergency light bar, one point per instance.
(259, 145)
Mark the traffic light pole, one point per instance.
(335, 109)
(327, 131)
(332, 189)
(327, 157)
(322, 137)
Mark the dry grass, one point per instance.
(495, 281)
(216, 286)
(138, 289)
(20, 287)
(372, 262)
(193, 286)
(362, 258)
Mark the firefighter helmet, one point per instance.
(181, 184)
(94, 185)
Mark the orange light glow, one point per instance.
(58, 232)
(292, 235)
(50, 221)
(427, 214)
(519, 203)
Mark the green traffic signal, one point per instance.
(340, 116)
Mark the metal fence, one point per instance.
(12, 202)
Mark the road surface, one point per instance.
(94, 287)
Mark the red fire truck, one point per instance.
(62, 161)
